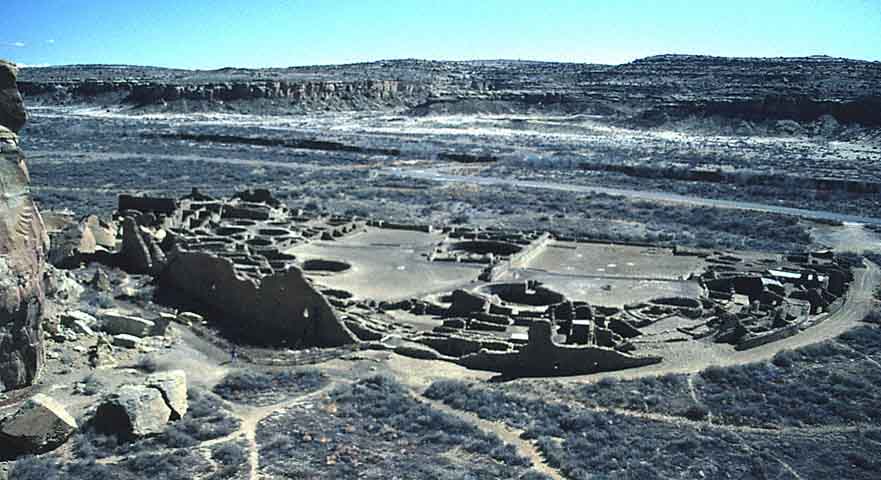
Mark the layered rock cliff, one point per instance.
(649, 90)
(23, 247)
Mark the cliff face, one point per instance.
(23, 246)
(140, 93)
(650, 90)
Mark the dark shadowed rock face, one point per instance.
(23, 246)
(12, 113)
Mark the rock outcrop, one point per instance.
(116, 323)
(132, 411)
(12, 112)
(40, 424)
(79, 242)
(23, 247)
(135, 411)
(173, 387)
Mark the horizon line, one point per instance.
(24, 65)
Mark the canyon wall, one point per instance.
(23, 247)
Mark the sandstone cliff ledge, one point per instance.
(23, 247)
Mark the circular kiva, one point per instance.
(321, 265)
(484, 247)
(518, 293)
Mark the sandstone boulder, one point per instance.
(69, 318)
(133, 411)
(173, 387)
(81, 328)
(126, 341)
(40, 424)
(79, 242)
(117, 323)
(161, 324)
(189, 318)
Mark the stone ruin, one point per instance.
(758, 302)
(23, 247)
(551, 335)
(229, 257)
(499, 250)
(232, 258)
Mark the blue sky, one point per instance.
(260, 33)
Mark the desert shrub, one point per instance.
(696, 412)
(91, 385)
(36, 468)
(147, 363)
(230, 453)
(206, 419)
(176, 465)
(384, 400)
(826, 383)
(89, 444)
(379, 419)
(265, 388)
(583, 443)
(105, 300)
(664, 394)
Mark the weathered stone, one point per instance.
(133, 411)
(72, 316)
(81, 328)
(126, 341)
(189, 318)
(79, 242)
(160, 325)
(12, 112)
(116, 323)
(173, 386)
(23, 246)
(40, 424)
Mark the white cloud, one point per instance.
(13, 44)
(50, 41)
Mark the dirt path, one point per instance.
(508, 435)
(251, 417)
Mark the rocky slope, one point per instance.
(23, 245)
(650, 90)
